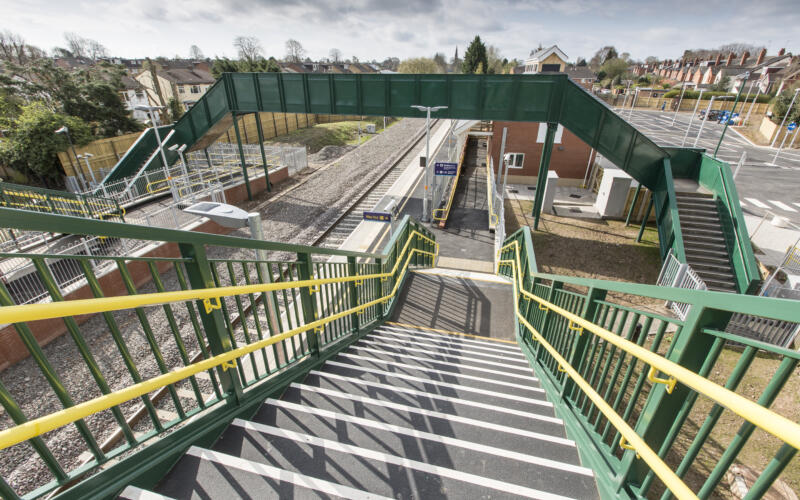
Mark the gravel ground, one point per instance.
(298, 212)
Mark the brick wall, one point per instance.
(569, 158)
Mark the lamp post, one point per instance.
(785, 136)
(180, 151)
(705, 118)
(86, 157)
(627, 91)
(730, 119)
(785, 116)
(164, 163)
(78, 173)
(428, 184)
(753, 103)
(696, 105)
(633, 103)
(678, 107)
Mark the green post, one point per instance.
(544, 165)
(241, 156)
(305, 271)
(381, 306)
(633, 205)
(735, 102)
(208, 158)
(199, 271)
(689, 349)
(593, 295)
(352, 290)
(263, 153)
(644, 219)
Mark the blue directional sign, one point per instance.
(792, 126)
(445, 168)
(378, 216)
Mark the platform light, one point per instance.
(428, 110)
(180, 150)
(79, 174)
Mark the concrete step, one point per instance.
(690, 219)
(694, 212)
(704, 246)
(697, 253)
(285, 425)
(702, 258)
(693, 194)
(710, 238)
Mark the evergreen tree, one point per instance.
(475, 55)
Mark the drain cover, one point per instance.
(575, 210)
(531, 188)
(513, 191)
(575, 196)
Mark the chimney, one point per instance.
(745, 55)
(729, 59)
(696, 61)
(781, 52)
(718, 59)
(761, 54)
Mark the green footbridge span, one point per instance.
(551, 98)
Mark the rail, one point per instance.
(631, 416)
(444, 212)
(291, 314)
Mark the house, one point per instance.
(551, 59)
(582, 75)
(186, 85)
(134, 94)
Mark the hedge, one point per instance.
(693, 94)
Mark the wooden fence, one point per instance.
(107, 153)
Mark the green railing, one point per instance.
(225, 323)
(601, 359)
(716, 176)
(670, 236)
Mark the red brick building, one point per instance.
(525, 140)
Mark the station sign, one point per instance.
(378, 216)
(445, 168)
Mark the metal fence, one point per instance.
(676, 274)
(497, 216)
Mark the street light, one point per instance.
(785, 116)
(633, 103)
(165, 165)
(730, 118)
(78, 172)
(785, 136)
(691, 119)
(428, 110)
(627, 92)
(180, 151)
(86, 157)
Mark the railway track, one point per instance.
(346, 223)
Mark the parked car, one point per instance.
(714, 114)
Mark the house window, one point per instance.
(181, 90)
(195, 89)
(515, 160)
(551, 67)
(536, 67)
(140, 94)
(543, 130)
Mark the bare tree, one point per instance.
(95, 50)
(335, 55)
(294, 51)
(14, 49)
(249, 48)
(195, 53)
(75, 44)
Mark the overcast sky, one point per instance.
(376, 29)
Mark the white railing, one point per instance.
(676, 274)
(497, 217)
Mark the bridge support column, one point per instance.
(241, 156)
(544, 165)
(633, 205)
(263, 153)
(644, 219)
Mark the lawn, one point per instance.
(331, 134)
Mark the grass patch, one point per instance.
(331, 134)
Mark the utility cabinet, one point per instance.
(613, 193)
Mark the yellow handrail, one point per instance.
(23, 432)
(446, 209)
(33, 312)
(767, 420)
(634, 442)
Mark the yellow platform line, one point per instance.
(450, 332)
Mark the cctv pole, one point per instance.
(785, 116)
(89, 167)
(752, 104)
(696, 105)
(703, 121)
